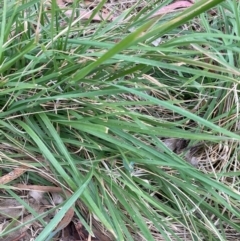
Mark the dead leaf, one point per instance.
(14, 174)
(69, 214)
(172, 7)
(37, 196)
(10, 208)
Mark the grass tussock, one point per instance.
(134, 119)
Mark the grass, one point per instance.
(89, 106)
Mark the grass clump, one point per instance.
(145, 137)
